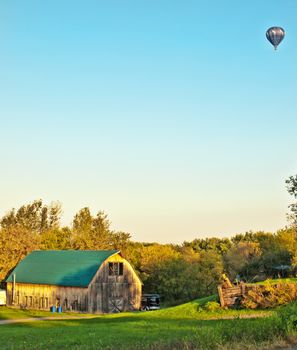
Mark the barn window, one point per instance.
(121, 269)
(28, 301)
(75, 305)
(116, 269)
(43, 303)
(110, 269)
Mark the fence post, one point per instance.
(220, 291)
(243, 289)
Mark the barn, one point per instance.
(82, 281)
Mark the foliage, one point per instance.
(241, 257)
(180, 276)
(212, 306)
(270, 295)
(56, 239)
(277, 281)
(91, 232)
(35, 217)
(219, 245)
(15, 244)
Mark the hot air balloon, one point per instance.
(275, 35)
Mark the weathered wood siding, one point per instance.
(230, 296)
(41, 296)
(105, 293)
(115, 293)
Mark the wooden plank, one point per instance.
(221, 296)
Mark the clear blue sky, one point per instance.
(177, 118)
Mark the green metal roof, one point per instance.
(74, 268)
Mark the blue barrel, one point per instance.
(53, 309)
(59, 309)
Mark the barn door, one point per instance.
(116, 304)
(115, 298)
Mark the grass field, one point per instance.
(7, 313)
(187, 326)
(280, 280)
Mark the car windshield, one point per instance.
(154, 301)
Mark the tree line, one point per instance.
(179, 272)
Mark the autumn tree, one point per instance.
(180, 275)
(94, 232)
(241, 258)
(15, 243)
(219, 245)
(35, 217)
(56, 239)
(153, 256)
(22, 231)
(90, 232)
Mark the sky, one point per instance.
(176, 118)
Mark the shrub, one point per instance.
(212, 306)
(269, 295)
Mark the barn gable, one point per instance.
(72, 268)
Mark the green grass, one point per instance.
(186, 326)
(8, 313)
(279, 280)
(11, 313)
(195, 310)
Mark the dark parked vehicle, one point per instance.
(150, 302)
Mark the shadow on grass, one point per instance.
(138, 331)
(133, 320)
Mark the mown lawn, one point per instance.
(11, 313)
(143, 332)
(7, 313)
(182, 327)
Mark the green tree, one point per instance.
(287, 240)
(180, 275)
(153, 256)
(56, 239)
(120, 240)
(219, 245)
(90, 232)
(241, 258)
(35, 217)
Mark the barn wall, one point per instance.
(115, 293)
(40, 296)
